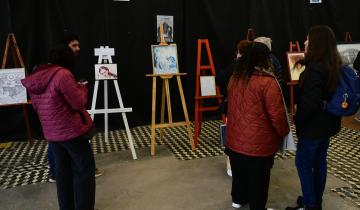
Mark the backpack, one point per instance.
(346, 99)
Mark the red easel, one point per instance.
(204, 70)
(292, 48)
(19, 63)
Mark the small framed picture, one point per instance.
(164, 59)
(207, 85)
(168, 24)
(348, 53)
(105, 71)
(295, 69)
(315, 1)
(11, 89)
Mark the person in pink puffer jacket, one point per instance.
(60, 102)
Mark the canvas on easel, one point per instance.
(12, 93)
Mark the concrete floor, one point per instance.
(165, 183)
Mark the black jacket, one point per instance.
(311, 120)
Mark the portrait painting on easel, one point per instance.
(295, 67)
(11, 89)
(105, 71)
(164, 59)
(168, 23)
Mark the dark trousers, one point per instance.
(249, 184)
(75, 174)
(51, 160)
(311, 165)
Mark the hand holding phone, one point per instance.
(83, 82)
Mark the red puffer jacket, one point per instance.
(59, 101)
(256, 116)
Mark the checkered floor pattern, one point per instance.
(24, 163)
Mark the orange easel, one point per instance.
(18, 63)
(204, 70)
(292, 48)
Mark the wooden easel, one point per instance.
(347, 38)
(250, 36)
(292, 48)
(204, 70)
(105, 53)
(165, 99)
(18, 63)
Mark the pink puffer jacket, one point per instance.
(59, 101)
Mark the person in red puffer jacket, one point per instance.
(256, 125)
(60, 102)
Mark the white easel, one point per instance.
(105, 53)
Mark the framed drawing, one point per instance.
(207, 85)
(105, 71)
(11, 89)
(295, 70)
(348, 53)
(168, 22)
(164, 59)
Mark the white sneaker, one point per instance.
(270, 209)
(229, 172)
(235, 205)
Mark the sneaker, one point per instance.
(98, 172)
(52, 179)
(236, 205)
(303, 208)
(229, 172)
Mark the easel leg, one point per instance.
(292, 102)
(200, 117)
(128, 132)
(185, 112)
(93, 103)
(27, 124)
(162, 108)
(196, 123)
(106, 106)
(168, 100)
(153, 115)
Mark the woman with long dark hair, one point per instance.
(315, 125)
(60, 102)
(256, 124)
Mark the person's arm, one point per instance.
(275, 108)
(75, 94)
(309, 101)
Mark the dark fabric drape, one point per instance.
(130, 28)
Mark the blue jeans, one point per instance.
(311, 165)
(51, 160)
(75, 174)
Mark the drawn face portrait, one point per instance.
(75, 46)
(103, 70)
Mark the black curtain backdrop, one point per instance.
(130, 28)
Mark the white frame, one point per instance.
(161, 59)
(352, 51)
(11, 89)
(294, 73)
(207, 85)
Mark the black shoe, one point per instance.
(299, 201)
